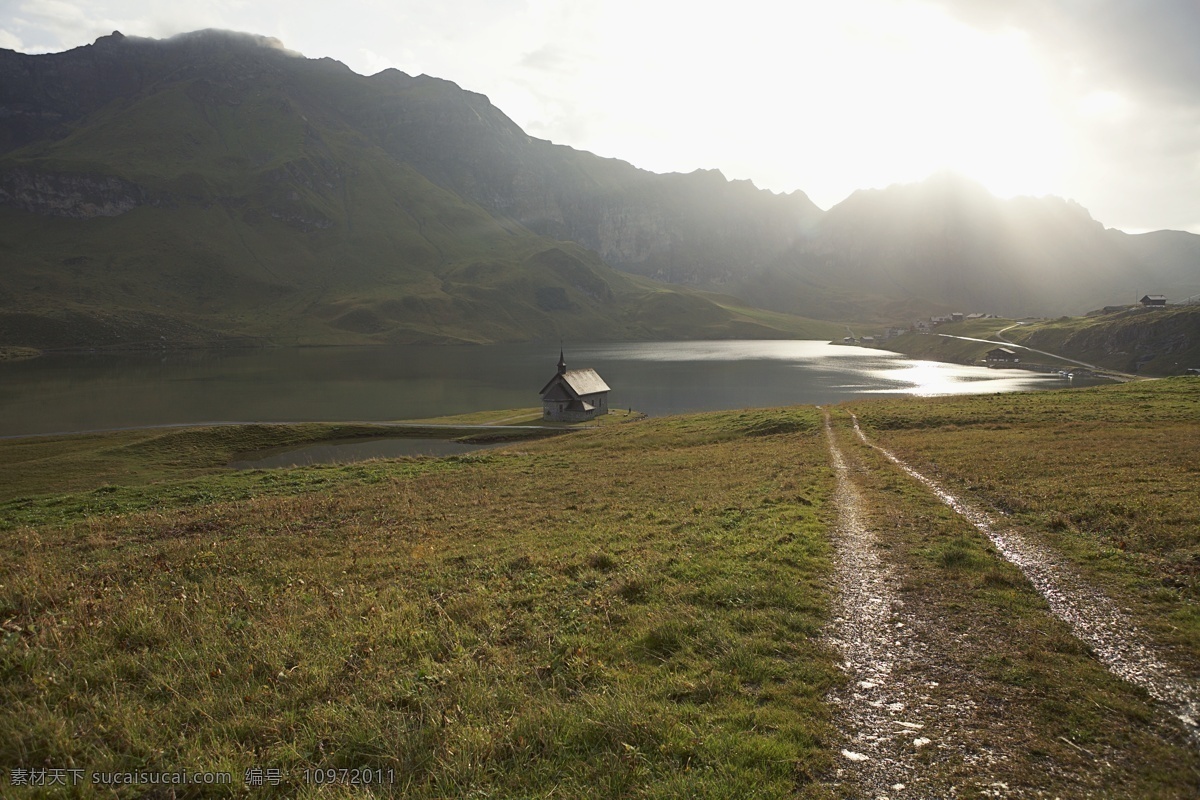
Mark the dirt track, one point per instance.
(905, 708)
(1093, 617)
(886, 713)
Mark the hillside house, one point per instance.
(1153, 301)
(1001, 355)
(574, 396)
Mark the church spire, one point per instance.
(562, 363)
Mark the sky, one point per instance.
(1097, 101)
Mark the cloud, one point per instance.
(1149, 46)
(1097, 99)
(548, 58)
(10, 42)
(56, 25)
(1127, 75)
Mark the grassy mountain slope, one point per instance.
(234, 198)
(1148, 341)
(947, 240)
(338, 207)
(1137, 341)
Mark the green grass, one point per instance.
(40, 465)
(1106, 476)
(627, 611)
(633, 610)
(1163, 341)
(1065, 725)
(264, 219)
(531, 416)
(508, 416)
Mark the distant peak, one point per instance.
(116, 37)
(392, 73)
(220, 37)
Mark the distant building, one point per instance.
(1001, 355)
(574, 396)
(1153, 301)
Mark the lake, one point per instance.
(64, 393)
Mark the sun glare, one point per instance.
(959, 99)
(827, 99)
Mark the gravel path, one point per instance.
(891, 721)
(1093, 617)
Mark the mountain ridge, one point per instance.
(280, 218)
(394, 207)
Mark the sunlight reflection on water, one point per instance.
(930, 379)
(883, 372)
(82, 392)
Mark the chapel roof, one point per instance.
(579, 381)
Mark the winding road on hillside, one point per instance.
(1001, 340)
(1022, 347)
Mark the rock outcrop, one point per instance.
(61, 194)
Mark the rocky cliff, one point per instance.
(1163, 341)
(79, 196)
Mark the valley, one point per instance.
(473, 623)
(246, 295)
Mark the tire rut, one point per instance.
(1117, 641)
(889, 716)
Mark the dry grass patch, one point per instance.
(629, 611)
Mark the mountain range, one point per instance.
(216, 187)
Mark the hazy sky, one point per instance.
(1095, 100)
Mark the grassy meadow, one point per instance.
(1048, 462)
(1108, 476)
(628, 610)
(634, 610)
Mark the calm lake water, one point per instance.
(101, 391)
